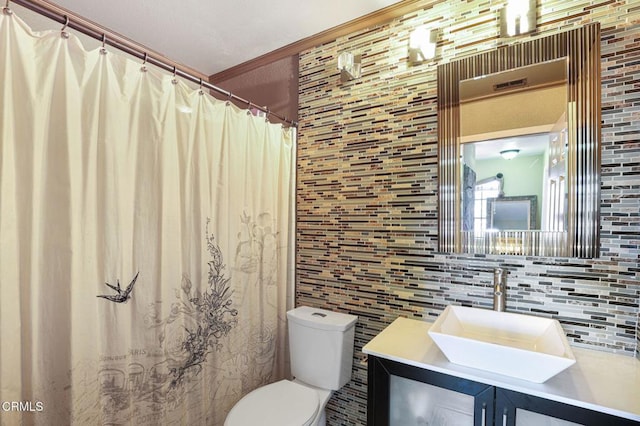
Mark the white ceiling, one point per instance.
(212, 35)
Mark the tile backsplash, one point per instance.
(367, 187)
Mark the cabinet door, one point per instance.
(403, 395)
(518, 409)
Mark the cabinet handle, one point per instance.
(484, 414)
(504, 417)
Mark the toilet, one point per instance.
(321, 350)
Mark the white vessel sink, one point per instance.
(515, 345)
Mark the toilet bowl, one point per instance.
(321, 351)
(283, 403)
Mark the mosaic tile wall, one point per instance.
(367, 187)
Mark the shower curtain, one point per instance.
(145, 241)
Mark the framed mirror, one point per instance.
(519, 148)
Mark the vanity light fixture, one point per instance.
(509, 154)
(350, 66)
(518, 17)
(422, 44)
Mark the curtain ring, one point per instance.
(175, 80)
(63, 33)
(6, 9)
(143, 68)
(103, 49)
(249, 108)
(228, 98)
(266, 115)
(200, 91)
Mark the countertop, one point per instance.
(599, 381)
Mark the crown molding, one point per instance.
(367, 21)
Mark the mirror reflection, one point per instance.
(513, 143)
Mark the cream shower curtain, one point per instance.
(145, 241)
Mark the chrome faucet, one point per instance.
(499, 289)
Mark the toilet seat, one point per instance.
(283, 403)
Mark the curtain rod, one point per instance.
(111, 38)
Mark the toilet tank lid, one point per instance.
(321, 318)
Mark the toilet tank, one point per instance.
(321, 346)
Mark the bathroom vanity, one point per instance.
(411, 382)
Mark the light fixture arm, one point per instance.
(350, 66)
(422, 44)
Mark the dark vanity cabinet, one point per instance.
(403, 395)
(515, 408)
